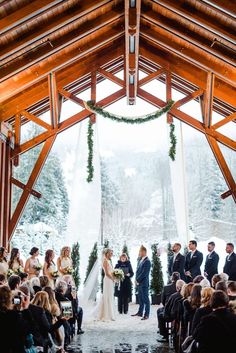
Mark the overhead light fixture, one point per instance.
(131, 44)
(131, 79)
(132, 3)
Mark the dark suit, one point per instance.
(211, 265)
(230, 267)
(177, 265)
(165, 295)
(142, 278)
(193, 264)
(216, 332)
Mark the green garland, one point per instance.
(90, 168)
(91, 106)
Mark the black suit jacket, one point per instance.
(177, 265)
(167, 292)
(193, 264)
(230, 267)
(211, 265)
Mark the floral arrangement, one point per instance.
(68, 270)
(38, 267)
(10, 273)
(119, 274)
(55, 274)
(19, 270)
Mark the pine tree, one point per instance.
(105, 246)
(125, 250)
(169, 256)
(92, 259)
(75, 256)
(157, 282)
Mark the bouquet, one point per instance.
(55, 274)
(68, 270)
(19, 270)
(38, 267)
(10, 272)
(119, 274)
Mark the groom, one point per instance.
(142, 282)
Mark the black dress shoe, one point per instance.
(145, 318)
(80, 332)
(137, 315)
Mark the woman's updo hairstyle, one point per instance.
(33, 250)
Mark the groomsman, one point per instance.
(211, 263)
(177, 262)
(193, 262)
(142, 283)
(230, 262)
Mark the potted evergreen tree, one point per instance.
(75, 256)
(91, 261)
(157, 282)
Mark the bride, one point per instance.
(106, 307)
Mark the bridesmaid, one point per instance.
(15, 263)
(3, 261)
(64, 262)
(32, 265)
(49, 267)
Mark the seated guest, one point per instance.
(15, 263)
(35, 284)
(231, 290)
(205, 307)
(3, 261)
(177, 262)
(44, 281)
(215, 279)
(124, 290)
(166, 293)
(32, 265)
(224, 277)
(3, 280)
(186, 290)
(193, 262)
(14, 328)
(71, 294)
(230, 262)
(23, 277)
(222, 285)
(190, 306)
(198, 279)
(205, 283)
(14, 282)
(216, 332)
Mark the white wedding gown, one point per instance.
(106, 306)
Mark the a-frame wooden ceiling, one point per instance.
(191, 38)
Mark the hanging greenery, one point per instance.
(91, 106)
(90, 168)
(75, 256)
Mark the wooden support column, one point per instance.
(30, 184)
(17, 137)
(54, 100)
(93, 93)
(5, 192)
(223, 167)
(208, 100)
(132, 29)
(168, 95)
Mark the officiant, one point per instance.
(123, 290)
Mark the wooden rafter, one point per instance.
(23, 186)
(54, 100)
(132, 29)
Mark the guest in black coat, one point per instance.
(190, 306)
(193, 262)
(216, 332)
(124, 289)
(211, 263)
(177, 261)
(230, 262)
(205, 308)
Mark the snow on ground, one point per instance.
(122, 322)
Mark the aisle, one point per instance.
(125, 335)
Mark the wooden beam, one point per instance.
(72, 97)
(189, 120)
(111, 77)
(208, 100)
(93, 93)
(188, 98)
(17, 135)
(54, 99)
(36, 120)
(168, 95)
(23, 186)
(66, 124)
(224, 121)
(151, 77)
(132, 29)
(30, 184)
(223, 165)
(28, 12)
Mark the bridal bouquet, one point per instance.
(119, 275)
